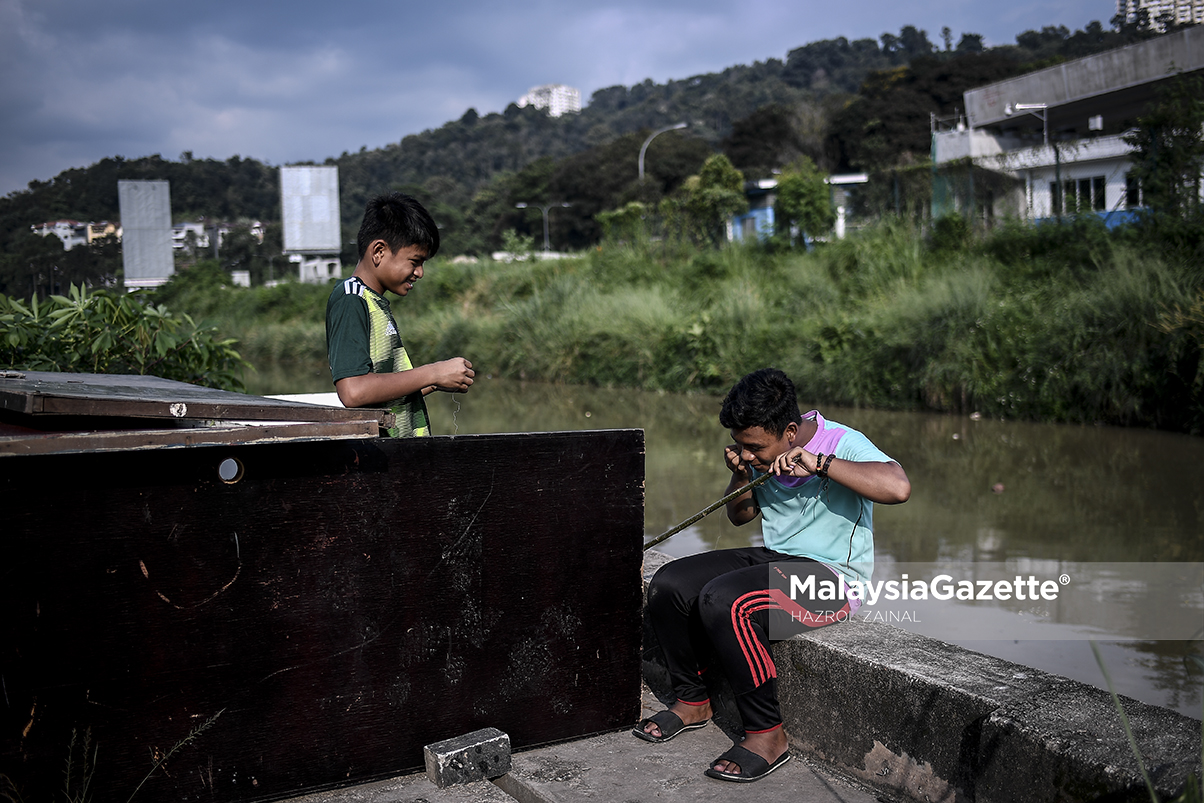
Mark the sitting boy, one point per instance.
(368, 363)
(816, 515)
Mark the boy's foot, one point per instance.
(769, 747)
(679, 717)
(751, 767)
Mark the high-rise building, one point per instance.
(558, 99)
(1180, 12)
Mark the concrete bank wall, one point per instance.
(936, 722)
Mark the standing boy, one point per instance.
(816, 515)
(368, 363)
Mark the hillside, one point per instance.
(847, 105)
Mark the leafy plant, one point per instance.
(103, 332)
(803, 198)
(519, 247)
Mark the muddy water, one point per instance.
(983, 491)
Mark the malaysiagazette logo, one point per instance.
(941, 587)
(1025, 598)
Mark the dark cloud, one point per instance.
(305, 80)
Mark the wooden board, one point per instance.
(341, 605)
(25, 443)
(44, 412)
(40, 393)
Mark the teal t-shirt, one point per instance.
(822, 520)
(362, 338)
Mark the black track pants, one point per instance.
(715, 608)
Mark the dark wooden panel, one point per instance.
(343, 604)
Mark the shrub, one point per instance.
(101, 332)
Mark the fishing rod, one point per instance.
(713, 507)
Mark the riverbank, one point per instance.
(1064, 323)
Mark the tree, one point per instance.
(1169, 149)
(887, 124)
(765, 141)
(970, 43)
(36, 265)
(803, 199)
(706, 202)
(625, 224)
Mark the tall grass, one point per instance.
(1059, 323)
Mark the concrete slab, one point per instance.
(618, 767)
(409, 789)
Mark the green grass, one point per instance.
(1059, 323)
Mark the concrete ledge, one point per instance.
(408, 789)
(936, 722)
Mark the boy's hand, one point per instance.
(454, 375)
(731, 456)
(795, 462)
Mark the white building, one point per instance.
(180, 232)
(1182, 12)
(1060, 130)
(73, 232)
(201, 231)
(558, 99)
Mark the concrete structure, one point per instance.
(618, 767)
(1059, 130)
(558, 99)
(146, 232)
(309, 205)
(73, 232)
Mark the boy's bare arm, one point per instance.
(743, 508)
(884, 483)
(367, 390)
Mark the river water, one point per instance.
(983, 492)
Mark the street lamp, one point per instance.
(644, 149)
(1033, 109)
(544, 209)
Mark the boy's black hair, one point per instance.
(765, 399)
(400, 221)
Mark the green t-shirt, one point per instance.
(362, 338)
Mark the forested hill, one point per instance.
(846, 104)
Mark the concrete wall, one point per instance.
(935, 722)
(1091, 76)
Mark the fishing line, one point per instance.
(713, 507)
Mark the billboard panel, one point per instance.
(309, 204)
(146, 232)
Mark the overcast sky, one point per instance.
(305, 79)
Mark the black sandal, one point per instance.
(670, 725)
(752, 766)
